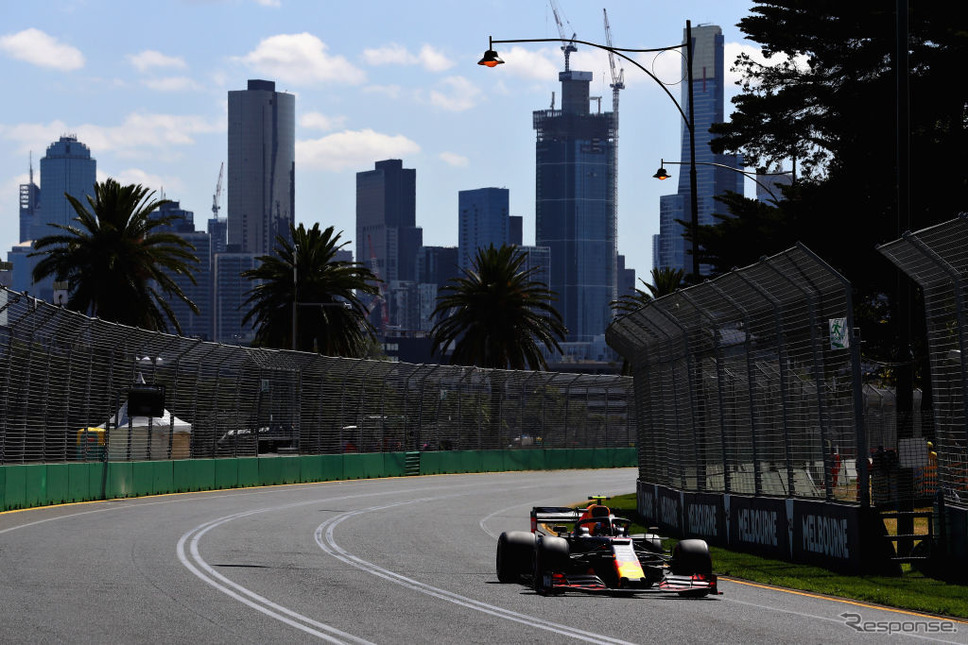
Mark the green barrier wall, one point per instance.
(30, 485)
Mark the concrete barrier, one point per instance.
(30, 485)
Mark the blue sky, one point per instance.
(144, 85)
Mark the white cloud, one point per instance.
(390, 91)
(301, 59)
(529, 63)
(139, 133)
(434, 60)
(172, 84)
(319, 121)
(150, 181)
(454, 159)
(269, 3)
(352, 149)
(38, 48)
(393, 54)
(149, 59)
(459, 94)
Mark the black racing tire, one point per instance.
(691, 557)
(551, 554)
(514, 552)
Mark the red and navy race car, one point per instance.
(590, 550)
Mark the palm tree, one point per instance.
(664, 282)
(117, 265)
(495, 315)
(304, 277)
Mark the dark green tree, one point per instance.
(832, 109)
(664, 282)
(496, 315)
(330, 316)
(117, 264)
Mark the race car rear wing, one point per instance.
(553, 515)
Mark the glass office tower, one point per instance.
(261, 166)
(575, 206)
(66, 168)
(483, 221)
(669, 247)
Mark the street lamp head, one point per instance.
(661, 172)
(490, 59)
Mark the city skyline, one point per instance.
(401, 83)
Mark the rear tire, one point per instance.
(514, 552)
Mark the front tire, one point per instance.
(691, 557)
(514, 551)
(551, 554)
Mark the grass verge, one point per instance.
(912, 591)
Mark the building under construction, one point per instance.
(575, 205)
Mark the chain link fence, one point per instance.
(66, 380)
(936, 258)
(749, 383)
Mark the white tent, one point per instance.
(147, 437)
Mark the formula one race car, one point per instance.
(597, 555)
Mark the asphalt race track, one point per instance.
(407, 560)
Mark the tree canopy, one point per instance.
(117, 265)
(496, 315)
(831, 107)
(664, 282)
(303, 276)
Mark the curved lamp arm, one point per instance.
(662, 174)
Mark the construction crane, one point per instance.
(618, 79)
(618, 83)
(569, 46)
(218, 192)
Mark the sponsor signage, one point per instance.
(705, 517)
(646, 501)
(826, 534)
(758, 525)
(669, 509)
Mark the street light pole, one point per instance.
(693, 182)
(491, 59)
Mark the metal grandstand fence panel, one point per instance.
(937, 259)
(748, 383)
(66, 379)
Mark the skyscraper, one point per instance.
(387, 237)
(261, 166)
(575, 206)
(29, 206)
(669, 246)
(483, 220)
(66, 168)
(232, 290)
(200, 291)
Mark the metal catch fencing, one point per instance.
(936, 258)
(66, 379)
(749, 383)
